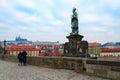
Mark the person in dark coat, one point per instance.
(24, 54)
(20, 58)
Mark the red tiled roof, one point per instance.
(56, 47)
(110, 49)
(93, 44)
(18, 48)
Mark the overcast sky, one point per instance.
(49, 20)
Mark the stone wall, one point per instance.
(52, 62)
(106, 69)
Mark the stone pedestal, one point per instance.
(75, 47)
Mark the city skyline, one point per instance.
(49, 20)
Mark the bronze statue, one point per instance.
(76, 47)
(74, 23)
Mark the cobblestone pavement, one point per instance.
(11, 71)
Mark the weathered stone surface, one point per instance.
(75, 63)
(114, 75)
(109, 63)
(101, 72)
(75, 47)
(11, 71)
(117, 69)
(109, 69)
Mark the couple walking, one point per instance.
(22, 57)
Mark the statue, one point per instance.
(75, 47)
(74, 23)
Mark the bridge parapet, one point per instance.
(106, 69)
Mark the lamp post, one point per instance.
(4, 47)
(4, 51)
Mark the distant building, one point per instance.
(117, 45)
(111, 45)
(110, 52)
(42, 50)
(19, 41)
(57, 50)
(47, 48)
(1, 49)
(94, 48)
(47, 43)
(2, 43)
(14, 50)
(50, 50)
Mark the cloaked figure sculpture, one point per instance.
(74, 23)
(75, 47)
